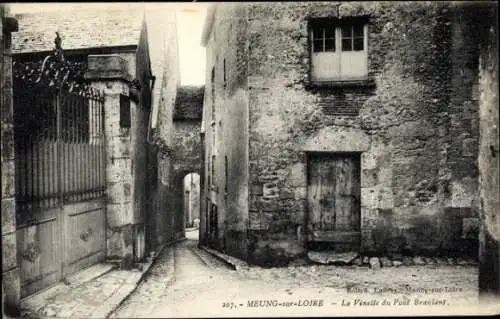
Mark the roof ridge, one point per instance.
(101, 27)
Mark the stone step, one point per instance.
(332, 258)
(353, 258)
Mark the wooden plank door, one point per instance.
(39, 251)
(334, 200)
(85, 235)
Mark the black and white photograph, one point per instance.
(249, 159)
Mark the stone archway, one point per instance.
(178, 196)
(187, 148)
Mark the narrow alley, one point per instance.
(185, 279)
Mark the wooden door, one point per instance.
(84, 235)
(39, 250)
(334, 200)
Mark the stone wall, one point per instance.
(418, 161)
(462, 132)
(187, 151)
(187, 156)
(488, 162)
(141, 158)
(10, 266)
(226, 133)
(167, 220)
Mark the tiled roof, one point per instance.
(189, 103)
(79, 29)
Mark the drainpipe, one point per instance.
(152, 82)
(203, 201)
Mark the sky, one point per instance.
(190, 19)
(191, 54)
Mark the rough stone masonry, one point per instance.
(488, 159)
(415, 123)
(10, 267)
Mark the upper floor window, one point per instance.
(339, 50)
(212, 171)
(209, 173)
(125, 116)
(226, 175)
(224, 74)
(212, 86)
(353, 38)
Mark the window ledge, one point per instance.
(369, 83)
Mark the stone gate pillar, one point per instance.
(10, 267)
(110, 73)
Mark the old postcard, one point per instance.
(250, 159)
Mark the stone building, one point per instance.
(165, 220)
(488, 160)
(10, 267)
(130, 55)
(187, 151)
(348, 126)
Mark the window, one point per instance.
(226, 175)
(213, 171)
(125, 118)
(212, 84)
(324, 39)
(209, 179)
(213, 132)
(353, 38)
(224, 74)
(339, 50)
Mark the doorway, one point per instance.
(334, 210)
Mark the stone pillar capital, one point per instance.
(10, 24)
(107, 67)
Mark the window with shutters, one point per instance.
(339, 50)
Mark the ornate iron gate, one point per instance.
(59, 147)
(60, 170)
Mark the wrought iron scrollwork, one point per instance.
(135, 89)
(54, 72)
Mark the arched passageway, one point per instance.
(191, 200)
(187, 162)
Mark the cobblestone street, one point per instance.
(186, 281)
